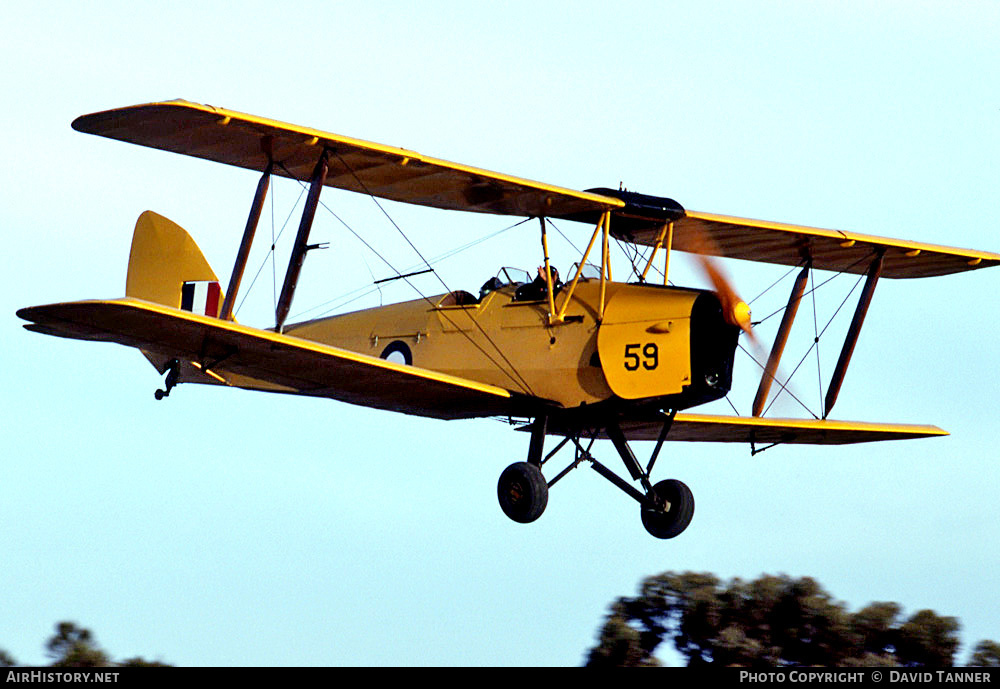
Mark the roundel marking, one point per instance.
(398, 353)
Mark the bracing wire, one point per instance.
(274, 241)
(772, 285)
(814, 345)
(513, 373)
(782, 384)
(813, 289)
(365, 290)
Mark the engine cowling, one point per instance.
(667, 342)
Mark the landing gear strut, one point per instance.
(522, 489)
(666, 508)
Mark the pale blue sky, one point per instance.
(222, 527)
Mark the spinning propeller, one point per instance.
(734, 309)
(737, 312)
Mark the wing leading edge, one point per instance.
(233, 354)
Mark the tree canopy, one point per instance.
(772, 621)
(74, 646)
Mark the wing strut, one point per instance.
(548, 271)
(560, 317)
(301, 247)
(874, 271)
(780, 340)
(244, 252)
(666, 233)
(605, 265)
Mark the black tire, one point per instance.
(523, 492)
(671, 522)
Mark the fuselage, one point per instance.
(654, 345)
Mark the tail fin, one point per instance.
(167, 267)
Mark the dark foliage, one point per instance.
(73, 646)
(771, 621)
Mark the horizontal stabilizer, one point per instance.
(247, 357)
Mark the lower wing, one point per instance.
(225, 352)
(708, 428)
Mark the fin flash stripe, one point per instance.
(201, 297)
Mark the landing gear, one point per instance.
(670, 509)
(523, 492)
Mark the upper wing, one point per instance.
(241, 356)
(399, 174)
(643, 219)
(709, 428)
(388, 172)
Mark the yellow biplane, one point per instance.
(587, 359)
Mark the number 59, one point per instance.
(645, 355)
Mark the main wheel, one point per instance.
(523, 492)
(672, 521)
